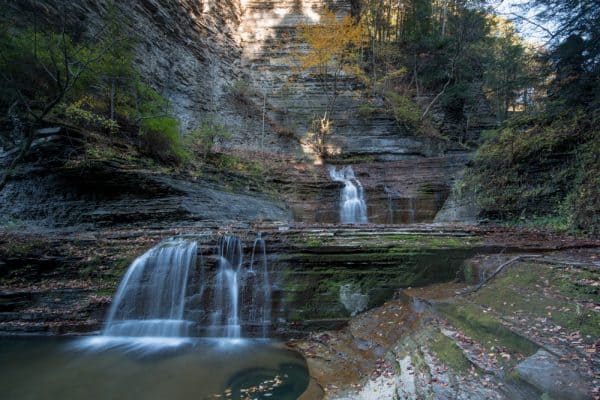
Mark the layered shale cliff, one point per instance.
(233, 61)
(406, 176)
(188, 50)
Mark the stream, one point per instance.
(59, 368)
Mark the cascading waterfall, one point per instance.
(353, 208)
(150, 300)
(239, 283)
(261, 298)
(225, 320)
(167, 293)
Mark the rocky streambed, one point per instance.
(378, 311)
(531, 332)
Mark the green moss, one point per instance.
(569, 283)
(367, 110)
(429, 188)
(449, 353)
(22, 248)
(397, 242)
(545, 292)
(555, 223)
(485, 329)
(228, 162)
(350, 158)
(313, 242)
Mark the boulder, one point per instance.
(558, 379)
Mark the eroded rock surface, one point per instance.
(545, 371)
(469, 346)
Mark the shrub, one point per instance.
(583, 202)
(241, 90)
(161, 140)
(405, 110)
(366, 110)
(80, 115)
(206, 136)
(542, 171)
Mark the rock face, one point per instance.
(444, 341)
(547, 373)
(187, 49)
(406, 177)
(234, 60)
(50, 193)
(292, 100)
(396, 192)
(62, 283)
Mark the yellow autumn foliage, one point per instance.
(333, 44)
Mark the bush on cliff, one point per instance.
(160, 138)
(545, 165)
(51, 72)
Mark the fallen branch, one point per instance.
(574, 264)
(498, 270)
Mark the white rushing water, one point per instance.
(242, 294)
(353, 208)
(168, 294)
(150, 300)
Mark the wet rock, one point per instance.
(546, 372)
(354, 302)
(457, 211)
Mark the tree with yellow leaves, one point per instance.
(333, 51)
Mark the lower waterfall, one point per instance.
(171, 292)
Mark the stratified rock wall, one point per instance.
(234, 60)
(187, 49)
(54, 191)
(292, 99)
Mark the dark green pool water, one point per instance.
(53, 369)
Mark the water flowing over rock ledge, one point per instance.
(337, 293)
(63, 283)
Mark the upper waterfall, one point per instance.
(353, 208)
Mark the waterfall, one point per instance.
(353, 208)
(167, 293)
(262, 298)
(151, 297)
(237, 283)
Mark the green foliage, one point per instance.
(232, 163)
(541, 171)
(205, 137)
(83, 117)
(366, 110)
(405, 111)
(90, 83)
(241, 90)
(35, 73)
(160, 138)
(583, 201)
(457, 54)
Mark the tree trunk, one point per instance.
(25, 146)
(112, 99)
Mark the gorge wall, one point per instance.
(187, 49)
(233, 61)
